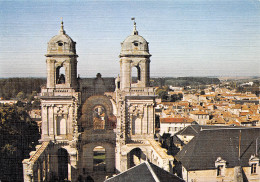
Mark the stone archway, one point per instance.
(135, 157)
(91, 151)
(99, 159)
(63, 161)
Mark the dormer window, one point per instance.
(220, 170)
(253, 168)
(253, 162)
(220, 165)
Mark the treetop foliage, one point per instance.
(18, 136)
(10, 87)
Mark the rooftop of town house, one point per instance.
(145, 171)
(235, 145)
(176, 120)
(199, 113)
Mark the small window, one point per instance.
(253, 168)
(135, 43)
(60, 44)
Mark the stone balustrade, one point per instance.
(57, 92)
(36, 167)
(136, 91)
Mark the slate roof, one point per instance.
(193, 130)
(145, 172)
(204, 149)
(190, 130)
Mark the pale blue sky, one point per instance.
(186, 37)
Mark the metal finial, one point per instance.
(135, 32)
(62, 31)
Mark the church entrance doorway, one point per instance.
(63, 159)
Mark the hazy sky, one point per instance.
(186, 37)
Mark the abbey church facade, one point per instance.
(89, 138)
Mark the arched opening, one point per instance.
(97, 113)
(135, 157)
(63, 160)
(99, 159)
(61, 125)
(136, 74)
(60, 75)
(99, 116)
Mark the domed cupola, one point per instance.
(61, 44)
(134, 62)
(134, 45)
(61, 62)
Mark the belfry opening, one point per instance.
(60, 75)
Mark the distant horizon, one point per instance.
(235, 77)
(202, 38)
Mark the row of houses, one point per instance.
(221, 107)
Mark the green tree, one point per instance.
(36, 104)
(162, 92)
(20, 96)
(19, 135)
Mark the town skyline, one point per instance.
(186, 38)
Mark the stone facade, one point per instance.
(89, 136)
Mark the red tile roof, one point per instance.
(175, 120)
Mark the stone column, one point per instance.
(45, 120)
(51, 119)
(124, 163)
(51, 73)
(67, 125)
(126, 73)
(110, 156)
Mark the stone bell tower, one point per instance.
(60, 98)
(135, 102)
(134, 61)
(61, 61)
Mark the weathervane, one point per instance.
(135, 32)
